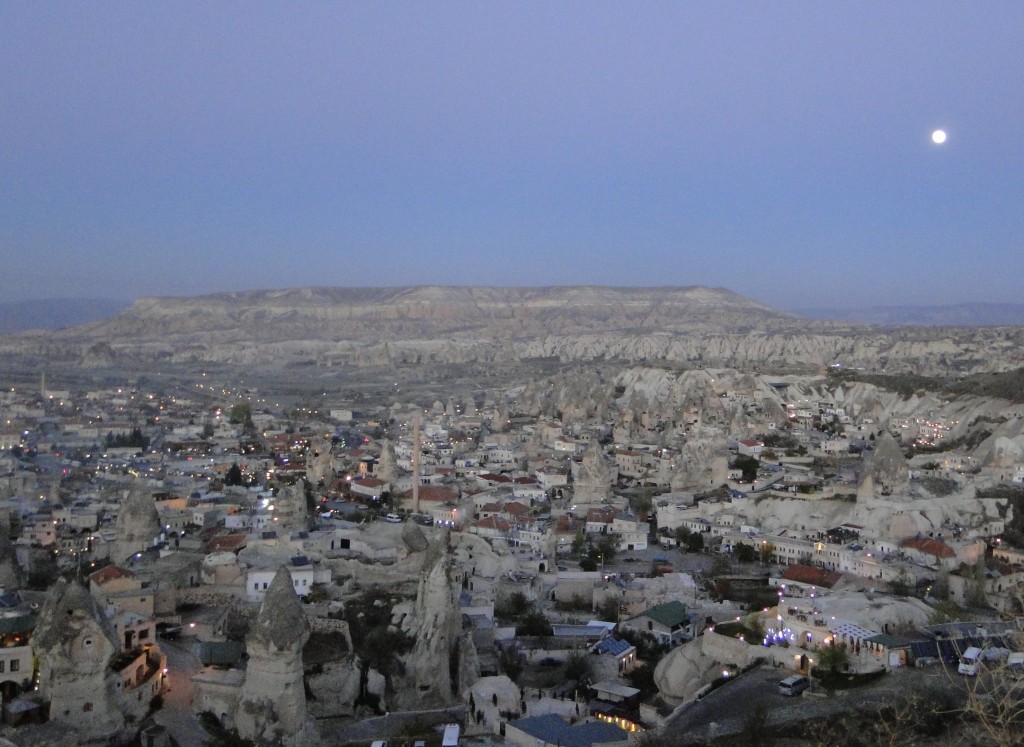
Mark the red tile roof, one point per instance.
(226, 543)
(435, 493)
(108, 574)
(808, 574)
(930, 546)
(493, 522)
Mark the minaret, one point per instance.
(42, 385)
(416, 462)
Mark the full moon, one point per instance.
(939, 137)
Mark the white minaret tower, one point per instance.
(416, 462)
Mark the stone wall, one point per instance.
(210, 595)
(329, 625)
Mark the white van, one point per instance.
(969, 661)
(794, 685)
(451, 735)
(393, 519)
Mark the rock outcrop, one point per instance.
(888, 465)
(387, 464)
(593, 481)
(695, 326)
(291, 513)
(272, 706)
(74, 644)
(10, 571)
(138, 525)
(414, 538)
(430, 680)
(319, 468)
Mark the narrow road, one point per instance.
(176, 715)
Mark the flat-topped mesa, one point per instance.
(272, 705)
(138, 524)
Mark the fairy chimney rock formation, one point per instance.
(290, 511)
(436, 626)
(594, 477)
(888, 465)
(387, 465)
(74, 644)
(138, 525)
(414, 537)
(10, 571)
(272, 706)
(319, 461)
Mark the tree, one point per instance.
(606, 548)
(535, 624)
(695, 542)
(766, 551)
(745, 553)
(748, 465)
(234, 475)
(579, 542)
(834, 657)
(642, 502)
(240, 413)
(681, 535)
(510, 663)
(518, 604)
(642, 678)
(974, 584)
(608, 610)
(578, 668)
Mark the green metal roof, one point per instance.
(668, 614)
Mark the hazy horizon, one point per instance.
(783, 153)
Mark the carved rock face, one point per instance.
(272, 706)
(888, 465)
(594, 477)
(138, 524)
(74, 644)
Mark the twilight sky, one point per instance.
(781, 150)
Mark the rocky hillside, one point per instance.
(432, 312)
(694, 327)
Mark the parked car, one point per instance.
(794, 685)
(550, 661)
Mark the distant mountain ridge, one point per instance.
(327, 329)
(55, 313)
(946, 315)
(419, 312)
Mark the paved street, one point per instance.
(723, 711)
(176, 715)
